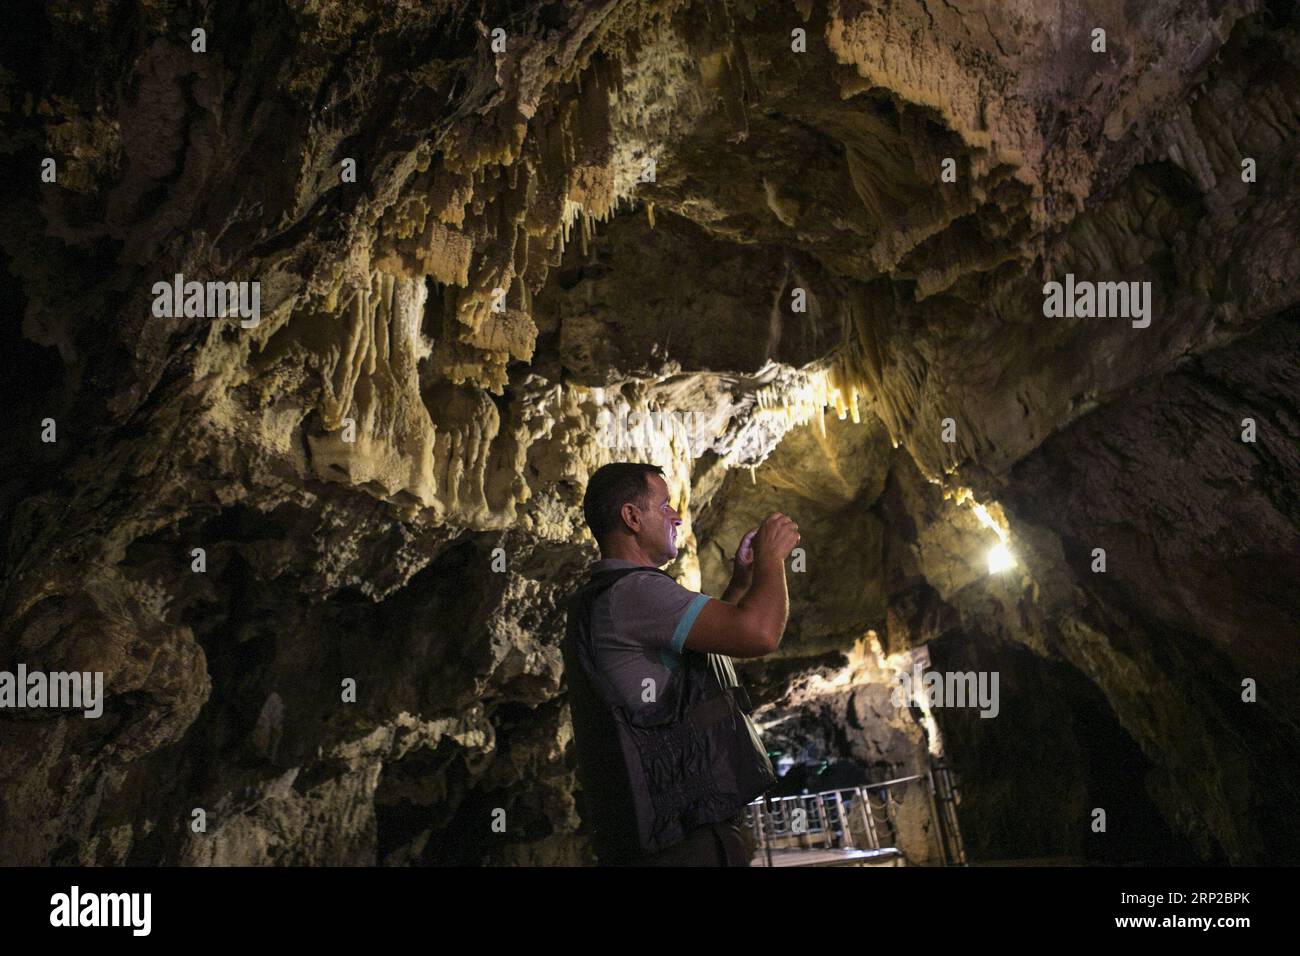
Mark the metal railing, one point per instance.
(856, 817)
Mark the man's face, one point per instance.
(659, 522)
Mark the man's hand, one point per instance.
(776, 538)
(742, 569)
(751, 617)
(745, 554)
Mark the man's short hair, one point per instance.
(610, 488)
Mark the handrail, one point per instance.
(830, 815)
(886, 783)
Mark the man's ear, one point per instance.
(631, 516)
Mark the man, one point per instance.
(667, 755)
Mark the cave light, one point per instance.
(1000, 559)
(999, 556)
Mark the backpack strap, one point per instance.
(726, 675)
(580, 610)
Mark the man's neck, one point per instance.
(629, 551)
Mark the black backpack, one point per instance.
(690, 758)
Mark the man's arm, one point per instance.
(736, 587)
(753, 626)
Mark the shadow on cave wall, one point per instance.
(277, 657)
(1199, 533)
(1031, 776)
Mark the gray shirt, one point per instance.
(638, 628)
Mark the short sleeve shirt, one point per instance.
(638, 628)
